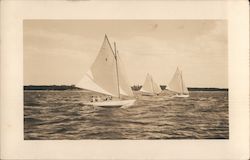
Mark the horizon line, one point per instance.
(130, 86)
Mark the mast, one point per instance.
(117, 73)
(152, 85)
(182, 89)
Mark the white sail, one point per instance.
(185, 90)
(177, 83)
(87, 82)
(102, 76)
(156, 87)
(125, 88)
(150, 86)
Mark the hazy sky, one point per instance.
(61, 51)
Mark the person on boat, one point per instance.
(108, 98)
(94, 99)
(98, 99)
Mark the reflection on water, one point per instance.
(56, 115)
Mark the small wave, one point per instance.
(32, 121)
(32, 104)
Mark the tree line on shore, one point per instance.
(134, 88)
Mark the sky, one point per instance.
(60, 52)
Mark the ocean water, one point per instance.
(62, 115)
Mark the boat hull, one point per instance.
(181, 96)
(147, 94)
(112, 104)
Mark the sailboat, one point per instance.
(150, 87)
(107, 76)
(177, 85)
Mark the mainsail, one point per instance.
(103, 75)
(150, 86)
(177, 83)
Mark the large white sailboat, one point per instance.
(107, 76)
(150, 87)
(177, 85)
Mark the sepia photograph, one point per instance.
(125, 79)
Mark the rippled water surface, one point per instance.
(56, 115)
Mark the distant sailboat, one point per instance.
(177, 85)
(150, 87)
(107, 76)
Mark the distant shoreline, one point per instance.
(135, 88)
